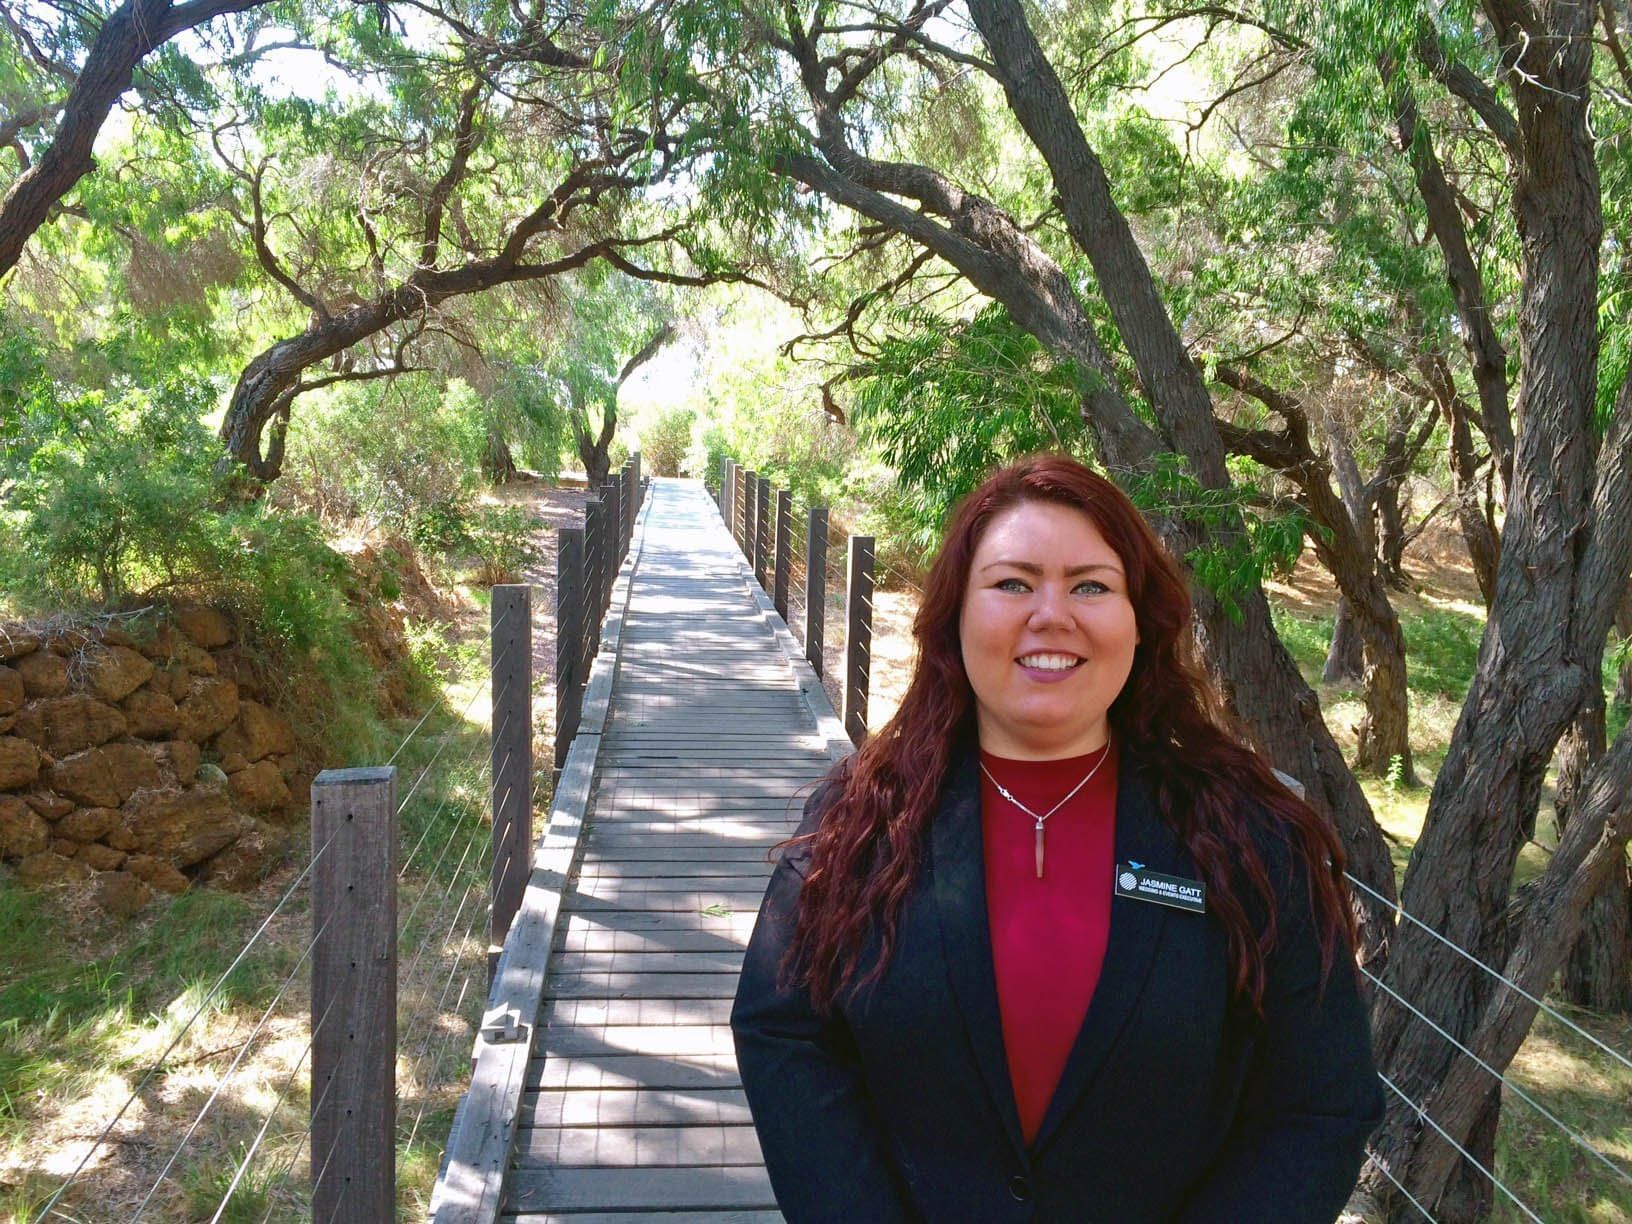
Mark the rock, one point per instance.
(106, 776)
(64, 725)
(48, 868)
(259, 787)
(300, 788)
(211, 774)
(63, 846)
(122, 837)
(44, 674)
(115, 672)
(233, 762)
(121, 893)
(245, 863)
(19, 762)
(23, 831)
(170, 680)
(14, 646)
(89, 824)
(49, 804)
(204, 626)
(184, 827)
(209, 709)
(184, 758)
(99, 858)
(12, 693)
(288, 765)
(160, 874)
(265, 733)
(150, 714)
(118, 637)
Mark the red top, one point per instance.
(1048, 935)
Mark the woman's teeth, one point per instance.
(1049, 662)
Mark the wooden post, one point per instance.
(815, 585)
(858, 636)
(762, 532)
(727, 476)
(511, 756)
(354, 995)
(631, 501)
(740, 526)
(750, 512)
(594, 550)
(569, 631)
(611, 493)
(784, 523)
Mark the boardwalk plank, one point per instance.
(646, 1147)
(694, 1189)
(635, 1107)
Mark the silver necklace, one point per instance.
(1042, 818)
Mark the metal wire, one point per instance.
(283, 1094)
(430, 824)
(221, 1083)
(443, 747)
(475, 663)
(1469, 956)
(1519, 1092)
(1371, 1158)
(1466, 1155)
(176, 1040)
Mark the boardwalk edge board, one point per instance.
(471, 1186)
(829, 725)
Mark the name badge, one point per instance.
(1135, 881)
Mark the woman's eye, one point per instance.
(1012, 584)
(1091, 587)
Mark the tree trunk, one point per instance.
(1473, 514)
(1391, 537)
(1566, 531)
(498, 464)
(1346, 657)
(1598, 973)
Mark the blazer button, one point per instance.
(1020, 1188)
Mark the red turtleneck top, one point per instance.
(1048, 935)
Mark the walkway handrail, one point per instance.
(470, 1188)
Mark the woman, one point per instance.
(1053, 944)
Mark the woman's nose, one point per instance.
(1049, 609)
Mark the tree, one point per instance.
(454, 207)
(112, 50)
(1566, 544)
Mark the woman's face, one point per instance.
(1047, 632)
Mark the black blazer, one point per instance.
(1172, 1104)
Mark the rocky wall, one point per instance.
(142, 760)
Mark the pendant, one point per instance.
(1039, 849)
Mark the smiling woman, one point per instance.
(1155, 1020)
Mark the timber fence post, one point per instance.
(739, 527)
(614, 517)
(858, 636)
(750, 512)
(594, 548)
(725, 493)
(815, 585)
(779, 582)
(762, 532)
(511, 757)
(569, 634)
(631, 499)
(354, 995)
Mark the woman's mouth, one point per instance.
(1049, 665)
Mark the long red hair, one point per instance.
(1210, 786)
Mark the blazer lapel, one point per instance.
(958, 864)
(1136, 928)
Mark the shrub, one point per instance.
(664, 439)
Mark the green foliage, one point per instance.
(946, 402)
(1243, 545)
(384, 456)
(665, 438)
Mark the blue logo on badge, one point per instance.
(1136, 866)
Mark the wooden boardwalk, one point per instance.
(632, 1108)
